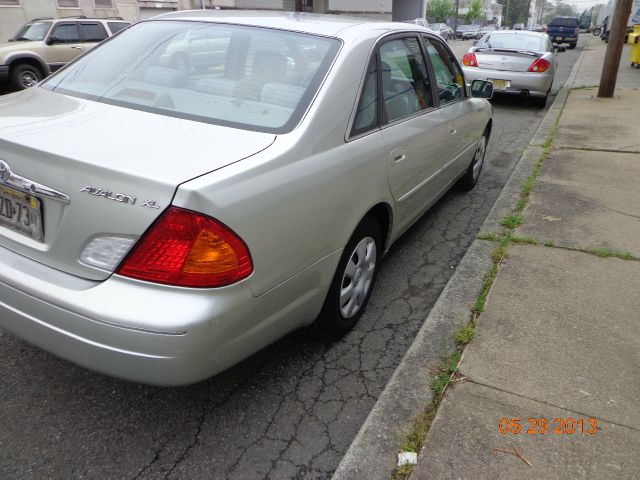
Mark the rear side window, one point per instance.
(564, 22)
(115, 27)
(92, 32)
(405, 86)
(367, 112)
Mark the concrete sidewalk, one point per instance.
(560, 335)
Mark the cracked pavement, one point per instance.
(290, 411)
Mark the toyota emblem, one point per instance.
(5, 171)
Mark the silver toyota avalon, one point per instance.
(204, 183)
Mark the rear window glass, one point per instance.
(115, 27)
(513, 41)
(564, 22)
(246, 77)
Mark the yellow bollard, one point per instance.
(634, 41)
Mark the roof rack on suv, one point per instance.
(75, 16)
(113, 18)
(41, 18)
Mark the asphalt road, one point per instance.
(290, 411)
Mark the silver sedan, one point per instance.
(161, 223)
(516, 62)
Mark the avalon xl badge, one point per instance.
(118, 197)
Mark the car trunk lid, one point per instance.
(506, 60)
(118, 167)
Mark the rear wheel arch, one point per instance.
(383, 215)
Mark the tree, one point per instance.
(439, 10)
(563, 10)
(475, 11)
(518, 11)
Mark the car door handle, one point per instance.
(398, 155)
(453, 131)
(77, 47)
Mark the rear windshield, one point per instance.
(245, 77)
(35, 31)
(564, 22)
(513, 41)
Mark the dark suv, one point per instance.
(43, 45)
(564, 30)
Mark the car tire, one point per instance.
(572, 46)
(25, 75)
(540, 102)
(352, 282)
(472, 175)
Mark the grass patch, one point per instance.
(606, 253)
(465, 334)
(490, 276)
(492, 237)
(512, 221)
(524, 241)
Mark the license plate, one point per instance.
(500, 84)
(21, 213)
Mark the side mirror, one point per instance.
(481, 89)
(475, 42)
(52, 40)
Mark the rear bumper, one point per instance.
(151, 333)
(537, 84)
(557, 39)
(4, 73)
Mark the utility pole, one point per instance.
(506, 15)
(614, 48)
(455, 19)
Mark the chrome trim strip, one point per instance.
(10, 179)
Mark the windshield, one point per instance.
(35, 31)
(464, 27)
(245, 77)
(513, 41)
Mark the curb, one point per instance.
(372, 453)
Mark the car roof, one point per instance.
(339, 26)
(520, 32)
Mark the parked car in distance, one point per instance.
(516, 62)
(443, 30)
(470, 32)
(43, 45)
(241, 201)
(423, 23)
(486, 29)
(518, 26)
(564, 30)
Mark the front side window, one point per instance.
(245, 77)
(405, 85)
(448, 76)
(66, 33)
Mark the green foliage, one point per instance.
(464, 334)
(439, 10)
(563, 10)
(475, 11)
(518, 12)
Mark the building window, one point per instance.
(9, 3)
(103, 4)
(68, 4)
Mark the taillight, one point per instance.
(539, 66)
(470, 60)
(188, 249)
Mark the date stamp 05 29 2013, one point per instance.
(541, 426)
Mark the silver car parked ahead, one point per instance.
(516, 62)
(161, 223)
